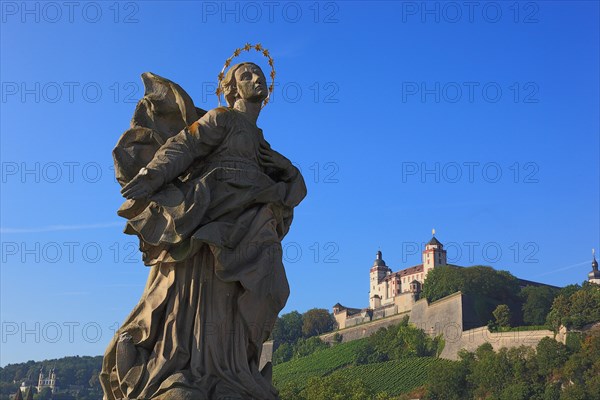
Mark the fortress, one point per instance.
(396, 295)
(390, 292)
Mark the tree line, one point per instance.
(295, 335)
(550, 371)
(77, 378)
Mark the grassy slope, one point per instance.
(320, 363)
(395, 377)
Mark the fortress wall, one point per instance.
(470, 340)
(439, 317)
(446, 317)
(388, 312)
(352, 321)
(443, 317)
(363, 330)
(340, 319)
(404, 301)
(385, 311)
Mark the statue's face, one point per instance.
(251, 83)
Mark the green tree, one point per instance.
(291, 391)
(502, 315)
(485, 287)
(585, 306)
(481, 280)
(551, 372)
(44, 394)
(581, 307)
(302, 348)
(558, 312)
(396, 342)
(450, 382)
(568, 290)
(537, 302)
(316, 322)
(574, 392)
(368, 354)
(590, 364)
(305, 347)
(516, 391)
(441, 282)
(288, 328)
(551, 391)
(490, 373)
(284, 352)
(551, 356)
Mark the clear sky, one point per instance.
(480, 120)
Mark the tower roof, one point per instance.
(378, 260)
(434, 241)
(595, 273)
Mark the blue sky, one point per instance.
(479, 122)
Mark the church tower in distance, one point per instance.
(594, 276)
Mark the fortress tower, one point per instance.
(378, 273)
(433, 255)
(594, 275)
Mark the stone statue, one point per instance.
(210, 201)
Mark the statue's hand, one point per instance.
(146, 182)
(125, 337)
(275, 161)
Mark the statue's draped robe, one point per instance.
(212, 236)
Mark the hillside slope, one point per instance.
(394, 377)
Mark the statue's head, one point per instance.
(244, 81)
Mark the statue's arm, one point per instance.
(177, 154)
(280, 169)
(277, 166)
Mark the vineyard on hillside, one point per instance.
(397, 376)
(319, 363)
(393, 377)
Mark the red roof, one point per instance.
(410, 271)
(404, 272)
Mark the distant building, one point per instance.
(594, 275)
(47, 381)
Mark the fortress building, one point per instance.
(392, 292)
(594, 275)
(386, 285)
